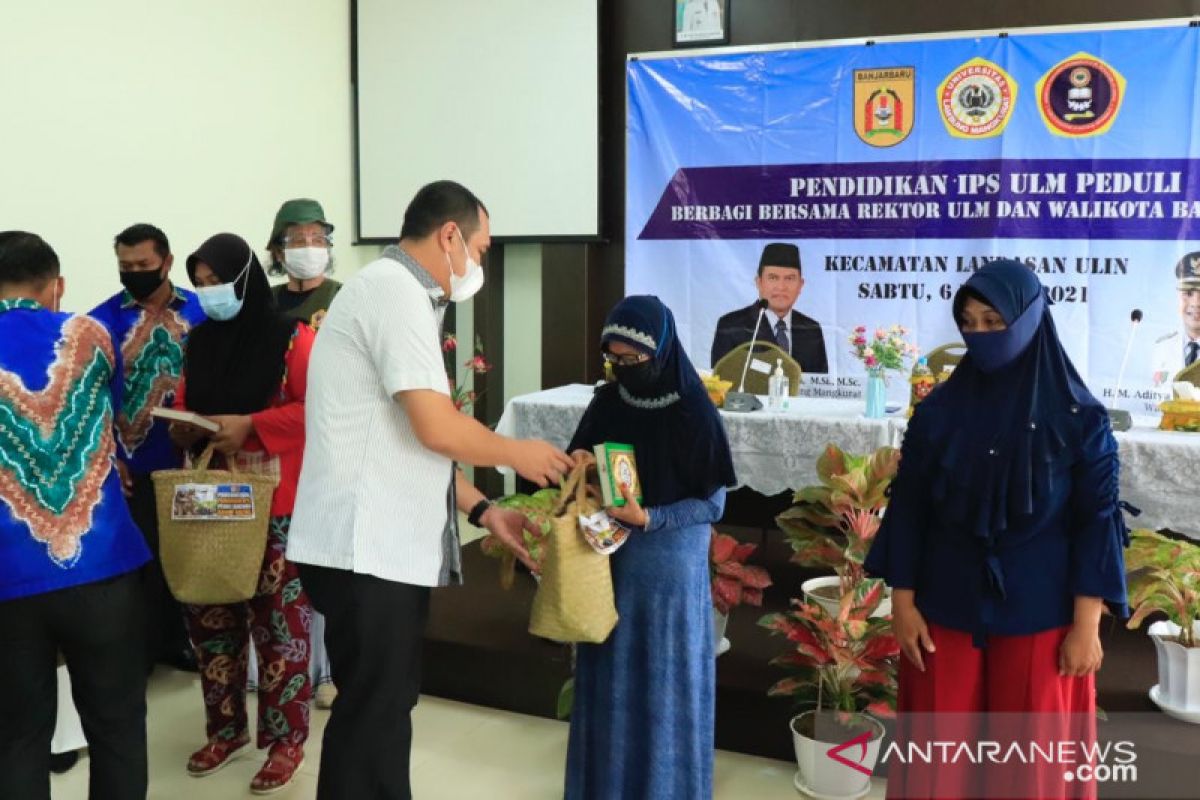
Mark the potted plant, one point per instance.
(845, 668)
(1164, 576)
(833, 524)
(733, 582)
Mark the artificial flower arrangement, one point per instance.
(885, 351)
(463, 398)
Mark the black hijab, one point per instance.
(1013, 411)
(235, 367)
(677, 435)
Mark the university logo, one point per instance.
(1080, 96)
(883, 104)
(977, 99)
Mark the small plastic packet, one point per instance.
(603, 532)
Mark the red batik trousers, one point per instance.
(279, 618)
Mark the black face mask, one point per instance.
(141, 285)
(640, 380)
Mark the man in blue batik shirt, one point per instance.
(149, 320)
(69, 550)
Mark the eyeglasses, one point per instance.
(319, 240)
(625, 361)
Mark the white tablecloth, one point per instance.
(773, 451)
(776, 451)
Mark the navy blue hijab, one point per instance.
(1011, 413)
(678, 437)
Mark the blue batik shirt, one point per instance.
(63, 519)
(152, 343)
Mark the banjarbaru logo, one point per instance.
(1080, 96)
(977, 99)
(884, 104)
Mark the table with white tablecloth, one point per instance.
(777, 450)
(773, 451)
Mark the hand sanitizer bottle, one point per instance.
(777, 387)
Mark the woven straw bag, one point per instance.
(574, 600)
(212, 561)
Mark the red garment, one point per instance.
(279, 428)
(1008, 691)
(279, 617)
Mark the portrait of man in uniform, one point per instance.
(1180, 348)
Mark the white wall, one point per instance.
(197, 117)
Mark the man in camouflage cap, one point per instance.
(1181, 348)
(301, 247)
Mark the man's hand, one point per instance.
(235, 429)
(1081, 652)
(508, 525)
(632, 512)
(126, 478)
(912, 633)
(538, 461)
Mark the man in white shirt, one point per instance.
(1181, 348)
(375, 523)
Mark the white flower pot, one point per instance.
(832, 606)
(1178, 667)
(820, 775)
(721, 645)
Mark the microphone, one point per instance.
(1120, 419)
(739, 401)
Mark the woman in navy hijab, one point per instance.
(642, 722)
(1003, 536)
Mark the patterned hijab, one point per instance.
(678, 437)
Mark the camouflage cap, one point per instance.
(1187, 272)
(297, 212)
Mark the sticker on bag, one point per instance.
(213, 502)
(603, 532)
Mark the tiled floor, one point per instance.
(459, 752)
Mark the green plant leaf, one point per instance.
(566, 699)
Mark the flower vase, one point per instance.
(876, 395)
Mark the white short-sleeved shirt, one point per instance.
(372, 499)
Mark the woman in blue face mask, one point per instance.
(246, 369)
(1003, 541)
(642, 721)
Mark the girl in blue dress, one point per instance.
(642, 723)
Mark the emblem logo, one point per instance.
(883, 104)
(977, 99)
(1080, 96)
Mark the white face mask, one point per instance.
(464, 287)
(306, 263)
